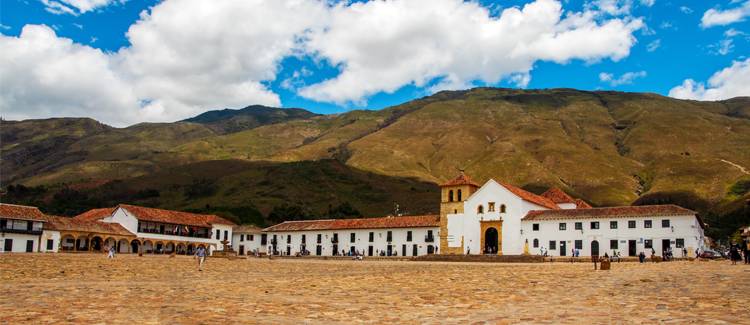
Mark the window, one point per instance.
(491, 207)
(304, 239)
(578, 244)
(595, 225)
(665, 223)
(631, 224)
(536, 243)
(459, 196)
(226, 234)
(352, 237)
(320, 238)
(680, 243)
(613, 225)
(50, 242)
(335, 238)
(648, 243)
(480, 209)
(450, 196)
(563, 226)
(646, 223)
(3, 223)
(372, 236)
(579, 225)
(389, 236)
(502, 208)
(289, 239)
(242, 237)
(408, 235)
(535, 227)
(552, 244)
(263, 239)
(613, 244)
(251, 237)
(218, 234)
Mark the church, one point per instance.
(499, 218)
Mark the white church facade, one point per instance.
(499, 218)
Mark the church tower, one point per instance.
(452, 196)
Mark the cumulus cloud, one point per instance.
(717, 17)
(625, 79)
(416, 41)
(188, 56)
(730, 82)
(76, 7)
(648, 3)
(654, 45)
(44, 75)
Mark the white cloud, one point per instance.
(730, 82)
(76, 7)
(686, 10)
(612, 7)
(625, 79)
(47, 76)
(416, 41)
(648, 3)
(717, 17)
(188, 56)
(654, 45)
(723, 47)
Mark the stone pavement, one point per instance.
(88, 288)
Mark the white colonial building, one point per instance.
(499, 218)
(248, 240)
(385, 236)
(20, 228)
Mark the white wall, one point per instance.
(125, 219)
(361, 243)
(243, 240)
(19, 242)
(685, 227)
(467, 225)
(54, 235)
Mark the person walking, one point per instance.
(641, 257)
(111, 252)
(200, 254)
(747, 252)
(734, 254)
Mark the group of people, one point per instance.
(737, 253)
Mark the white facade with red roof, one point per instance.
(20, 228)
(500, 218)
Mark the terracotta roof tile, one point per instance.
(609, 212)
(21, 212)
(558, 196)
(75, 224)
(247, 229)
(531, 197)
(581, 204)
(95, 214)
(461, 179)
(363, 223)
(175, 217)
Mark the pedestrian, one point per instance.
(641, 257)
(111, 252)
(747, 252)
(734, 254)
(200, 254)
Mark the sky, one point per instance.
(129, 61)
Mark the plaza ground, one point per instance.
(88, 288)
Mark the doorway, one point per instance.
(318, 250)
(335, 250)
(414, 250)
(403, 250)
(369, 251)
(490, 241)
(8, 245)
(594, 248)
(665, 245)
(631, 247)
(29, 246)
(242, 249)
(390, 250)
(563, 248)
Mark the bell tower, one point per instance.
(453, 194)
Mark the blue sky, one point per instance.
(673, 44)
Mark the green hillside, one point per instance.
(606, 147)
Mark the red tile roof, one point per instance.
(21, 212)
(581, 204)
(558, 196)
(95, 214)
(175, 217)
(531, 197)
(461, 179)
(78, 225)
(609, 212)
(363, 223)
(247, 229)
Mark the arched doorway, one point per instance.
(490, 241)
(430, 249)
(594, 248)
(122, 246)
(135, 246)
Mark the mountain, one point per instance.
(606, 147)
(235, 120)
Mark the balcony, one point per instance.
(21, 231)
(429, 239)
